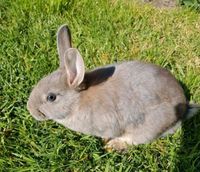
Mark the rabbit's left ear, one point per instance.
(74, 67)
(63, 42)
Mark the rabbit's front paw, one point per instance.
(116, 144)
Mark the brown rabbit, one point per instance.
(128, 103)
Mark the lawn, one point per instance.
(105, 32)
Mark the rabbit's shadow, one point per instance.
(96, 77)
(188, 155)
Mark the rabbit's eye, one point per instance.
(51, 97)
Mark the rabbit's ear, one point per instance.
(74, 67)
(63, 42)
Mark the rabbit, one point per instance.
(127, 103)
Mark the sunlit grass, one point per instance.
(105, 32)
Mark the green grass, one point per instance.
(104, 32)
(194, 4)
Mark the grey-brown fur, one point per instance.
(129, 103)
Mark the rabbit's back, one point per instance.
(150, 83)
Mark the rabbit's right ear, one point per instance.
(63, 42)
(74, 67)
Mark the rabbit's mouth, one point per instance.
(41, 114)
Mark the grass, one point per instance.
(195, 4)
(104, 32)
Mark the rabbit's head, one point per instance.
(55, 95)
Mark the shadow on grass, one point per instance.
(188, 155)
